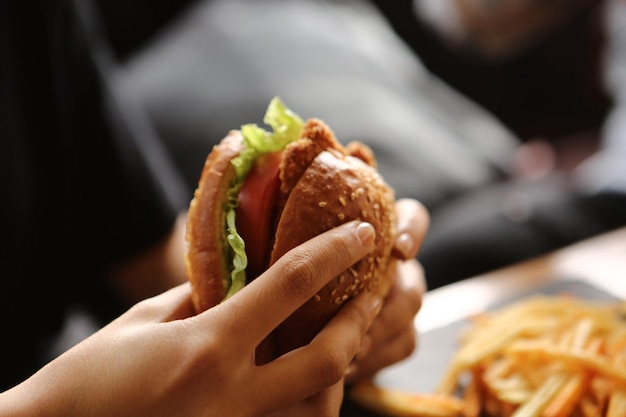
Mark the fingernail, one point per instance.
(375, 306)
(350, 371)
(404, 246)
(366, 233)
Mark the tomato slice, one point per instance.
(255, 214)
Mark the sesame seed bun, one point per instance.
(322, 185)
(207, 263)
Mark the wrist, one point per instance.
(21, 401)
(41, 395)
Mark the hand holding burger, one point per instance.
(263, 193)
(162, 359)
(176, 361)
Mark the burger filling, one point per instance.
(258, 207)
(252, 196)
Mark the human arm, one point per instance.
(159, 359)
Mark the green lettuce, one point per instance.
(286, 128)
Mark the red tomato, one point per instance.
(255, 214)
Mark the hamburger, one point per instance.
(262, 193)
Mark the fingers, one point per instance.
(322, 363)
(391, 336)
(413, 222)
(266, 302)
(410, 281)
(393, 351)
(171, 305)
(401, 305)
(326, 403)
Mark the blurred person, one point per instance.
(352, 64)
(534, 65)
(560, 191)
(338, 60)
(93, 216)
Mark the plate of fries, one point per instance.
(557, 352)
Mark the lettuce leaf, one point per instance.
(286, 128)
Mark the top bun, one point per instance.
(339, 185)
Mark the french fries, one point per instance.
(544, 356)
(406, 404)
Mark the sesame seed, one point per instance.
(322, 204)
(338, 300)
(317, 298)
(342, 201)
(341, 216)
(342, 279)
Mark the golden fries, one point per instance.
(406, 404)
(545, 356)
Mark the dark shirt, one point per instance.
(85, 182)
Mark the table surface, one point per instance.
(595, 267)
(599, 261)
